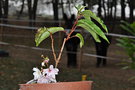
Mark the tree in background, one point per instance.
(55, 9)
(99, 8)
(131, 6)
(0, 9)
(21, 10)
(107, 7)
(123, 17)
(4, 9)
(32, 8)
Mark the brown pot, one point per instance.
(80, 85)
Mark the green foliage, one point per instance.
(92, 28)
(80, 8)
(128, 43)
(44, 33)
(86, 14)
(89, 25)
(128, 27)
(85, 23)
(89, 14)
(81, 39)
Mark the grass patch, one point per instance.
(14, 72)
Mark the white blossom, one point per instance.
(37, 73)
(43, 79)
(51, 72)
(46, 75)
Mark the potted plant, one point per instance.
(45, 78)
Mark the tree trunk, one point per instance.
(131, 2)
(99, 8)
(115, 9)
(111, 11)
(123, 9)
(29, 9)
(55, 10)
(0, 11)
(5, 8)
(104, 8)
(69, 3)
(62, 7)
(32, 8)
(0, 8)
(22, 6)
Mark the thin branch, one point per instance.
(52, 45)
(73, 28)
(65, 39)
(60, 53)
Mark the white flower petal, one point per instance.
(51, 67)
(42, 64)
(43, 79)
(37, 73)
(36, 69)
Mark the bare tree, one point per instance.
(22, 7)
(131, 5)
(32, 8)
(1, 9)
(4, 9)
(62, 7)
(104, 8)
(55, 9)
(115, 8)
(99, 8)
(123, 9)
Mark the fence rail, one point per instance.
(78, 30)
(44, 49)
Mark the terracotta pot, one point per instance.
(80, 85)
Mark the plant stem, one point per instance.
(60, 53)
(65, 39)
(52, 44)
(73, 28)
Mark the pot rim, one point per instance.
(57, 83)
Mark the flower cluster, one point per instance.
(47, 75)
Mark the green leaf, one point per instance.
(81, 39)
(125, 28)
(90, 26)
(44, 33)
(92, 15)
(86, 14)
(128, 27)
(80, 8)
(95, 36)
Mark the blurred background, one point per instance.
(20, 19)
